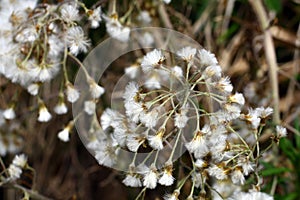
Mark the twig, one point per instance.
(270, 54)
(279, 33)
(33, 194)
(208, 36)
(274, 184)
(227, 15)
(292, 84)
(231, 49)
(3, 166)
(202, 19)
(183, 19)
(164, 16)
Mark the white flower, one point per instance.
(187, 53)
(61, 108)
(252, 195)
(121, 34)
(134, 141)
(72, 93)
(150, 119)
(200, 163)
(155, 141)
(177, 71)
(96, 90)
(237, 98)
(20, 72)
(150, 179)
(134, 110)
(198, 145)
(106, 155)
(12, 17)
(240, 195)
(224, 85)
(232, 111)
(120, 134)
(207, 58)
(264, 112)
(181, 118)
(131, 91)
(281, 131)
(14, 172)
(28, 34)
(217, 172)
(173, 196)
(197, 178)
(64, 135)
(132, 181)
(33, 89)
(42, 73)
(151, 60)
(166, 179)
(20, 160)
(109, 117)
(94, 144)
(146, 40)
(213, 71)
(132, 71)
(9, 113)
(260, 196)
(206, 130)
(76, 40)
(167, 1)
(247, 166)
(44, 115)
(237, 177)
(144, 17)
(217, 145)
(252, 118)
(69, 13)
(45, 72)
(89, 107)
(116, 30)
(95, 17)
(224, 189)
(56, 46)
(153, 82)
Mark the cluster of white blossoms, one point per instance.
(15, 168)
(223, 143)
(35, 42)
(184, 106)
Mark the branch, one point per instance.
(33, 194)
(270, 54)
(164, 16)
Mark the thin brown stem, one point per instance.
(164, 16)
(270, 54)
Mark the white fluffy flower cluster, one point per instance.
(35, 41)
(15, 168)
(155, 115)
(115, 29)
(23, 59)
